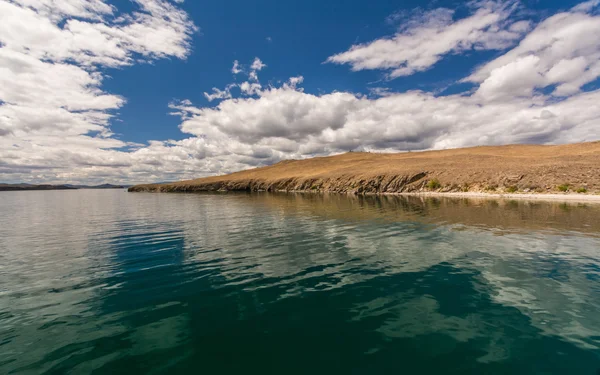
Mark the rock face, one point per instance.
(345, 184)
(526, 168)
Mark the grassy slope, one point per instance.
(524, 167)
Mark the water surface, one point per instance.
(110, 282)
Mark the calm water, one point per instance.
(111, 282)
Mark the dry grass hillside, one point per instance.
(514, 168)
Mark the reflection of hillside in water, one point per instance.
(179, 281)
(505, 215)
(541, 264)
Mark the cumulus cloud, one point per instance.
(54, 116)
(247, 88)
(561, 52)
(158, 29)
(425, 37)
(257, 65)
(288, 120)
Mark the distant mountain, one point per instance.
(18, 187)
(103, 186)
(21, 187)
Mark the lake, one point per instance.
(110, 282)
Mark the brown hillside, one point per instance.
(525, 168)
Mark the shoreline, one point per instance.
(571, 198)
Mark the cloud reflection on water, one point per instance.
(171, 280)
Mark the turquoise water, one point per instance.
(110, 282)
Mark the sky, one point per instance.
(118, 91)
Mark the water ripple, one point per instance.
(110, 282)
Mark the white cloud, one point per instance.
(295, 81)
(236, 67)
(426, 37)
(59, 9)
(250, 88)
(587, 6)
(219, 94)
(156, 30)
(560, 51)
(247, 88)
(54, 115)
(257, 65)
(516, 79)
(287, 120)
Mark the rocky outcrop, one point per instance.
(344, 184)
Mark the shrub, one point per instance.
(491, 188)
(563, 188)
(434, 184)
(512, 189)
(582, 190)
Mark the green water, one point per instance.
(109, 282)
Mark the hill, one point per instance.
(512, 168)
(20, 187)
(103, 186)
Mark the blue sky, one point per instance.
(111, 91)
(303, 35)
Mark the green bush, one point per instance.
(491, 188)
(512, 189)
(563, 188)
(434, 184)
(582, 190)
